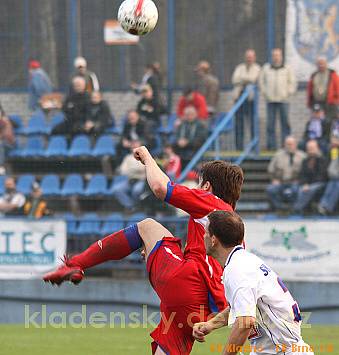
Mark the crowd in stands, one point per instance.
(304, 174)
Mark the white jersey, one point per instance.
(253, 289)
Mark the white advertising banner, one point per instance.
(298, 250)
(312, 30)
(30, 248)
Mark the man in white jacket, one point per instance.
(277, 83)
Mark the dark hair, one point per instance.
(227, 227)
(225, 178)
(187, 90)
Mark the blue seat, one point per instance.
(34, 148)
(97, 185)
(169, 128)
(137, 217)
(72, 223)
(80, 146)
(89, 225)
(24, 184)
(17, 123)
(50, 185)
(73, 185)
(57, 146)
(113, 128)
(37, 124)
(112, 223)
(2, 184)
(115, 181)
(104, 146)
(56, 119)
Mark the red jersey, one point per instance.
(198, 204)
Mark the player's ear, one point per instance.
(206, 186)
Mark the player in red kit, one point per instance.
(188, 283)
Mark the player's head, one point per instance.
(223, 230)
(223, 179)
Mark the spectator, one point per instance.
(330, 198)
(317, 128)
(172, 163)
(100, 116)
(135, 129)
(132, 184)
(277, 83)
(152, 77)
(7, 139)
(284, 169)
(91, 80)
(148, 107)
(35, 205)
(312, 177)
(208, 86)
(11, 202)
(76, 108)
(245, 74)
(190, 135)
(323, 88)
(39, 84)
(192, 98)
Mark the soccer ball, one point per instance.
(138, 17)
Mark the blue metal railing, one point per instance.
(227, 120)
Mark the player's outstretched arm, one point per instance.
(156, 178)
(200, 330)
(239, 333)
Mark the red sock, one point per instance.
(116, 246)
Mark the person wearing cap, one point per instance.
(148, 106)
(36, 206)
(244, 74)
(208, 86)
(323, 88)
(92, 83)
(39, 84)
(317, 128)
(195, 99)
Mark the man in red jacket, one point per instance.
(192, 98)
(323, 89)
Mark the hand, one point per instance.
(141, 154)
(134, 86)
(89, 125)
(182, 142)
(306, 187)
(200, 330)
(275, 182)
(126, 143)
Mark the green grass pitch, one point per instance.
(16, 340)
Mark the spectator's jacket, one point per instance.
(199, 102)
(15, 198)
(173, 167)
(101, 115)
(281, 169)
(77, 109)
(92, 82)
(132, 168)
(195, 132)
(333, 168)
(149, 109)
(332, 89)
(242, 76)
(209, 88)
(39, 85)
(325, 130)
(313, 169)
(141, 131)
(36, 208)
(277, 84)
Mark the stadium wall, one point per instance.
(120, 102)
(108, 296)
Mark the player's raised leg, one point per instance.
(115, 246)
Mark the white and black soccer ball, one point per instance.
(138, 17)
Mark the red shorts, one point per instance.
(183, 294)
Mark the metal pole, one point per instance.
(26, 38)
(270, 28)
(170, 52)
(73, 32)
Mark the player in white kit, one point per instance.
(261, 306)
